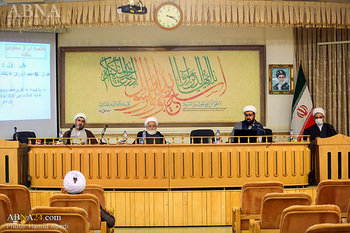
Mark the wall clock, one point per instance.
(168, 16)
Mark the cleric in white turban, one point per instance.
(151, 119)
(249, 108)
(74, 182)
(150, 135)
(320, 129)
(79, 134)
(249, 122)
(318, 110)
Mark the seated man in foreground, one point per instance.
(79, 132)
(74, 183)
(151, 133)
(249, 122)
(320, 129)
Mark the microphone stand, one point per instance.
(16, 134)
(102, 134)
(67, 141)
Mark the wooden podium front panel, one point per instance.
(331, 158)
(171, 166)
(125, 167)
(13, 162)
(232, 165)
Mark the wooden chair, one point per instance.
(272, 207)
(74, 219)
(348, 214)
(335, 192)
(32, 228)
(88, 202)
(297, 219)
(329, 228)
(5, 209)
(251, 196)
(94, 189)
(19, 197)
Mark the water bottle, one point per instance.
(218, 136)
(291, 135)
(60, 138)
(143, 140)
(125, 135)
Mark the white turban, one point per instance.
(249, 108)
(318, 110)
(151, 119)
(80, 115)
(74, 182)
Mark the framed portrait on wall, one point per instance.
(281, 79)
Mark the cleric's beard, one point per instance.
(151, 132)
(249, 122)
(79, 127)
(281, 82)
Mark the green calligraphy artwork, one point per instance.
(152, 90)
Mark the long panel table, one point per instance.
(171, 166)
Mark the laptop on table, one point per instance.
(244, 134)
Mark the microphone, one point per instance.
(102, 134)
(257, 127)
(67, 141)
(16, 134)
(104, 130)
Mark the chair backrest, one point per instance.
(348, 213)
(32, 228)
(253, 192)
(19, 197)
(336, 192)
(268, 135)
(206, 134)
(329, 228)
(297, 219)
(273, 205)
(94, 189)
(74, 219)
(88, 202)
(23, 136)
(5, 208)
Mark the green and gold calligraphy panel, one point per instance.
(182, 86)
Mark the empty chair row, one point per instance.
(262, 203)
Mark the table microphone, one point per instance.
(71, 128)
(102, 134)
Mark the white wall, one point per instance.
(279, 50)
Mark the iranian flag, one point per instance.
(302, 106)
